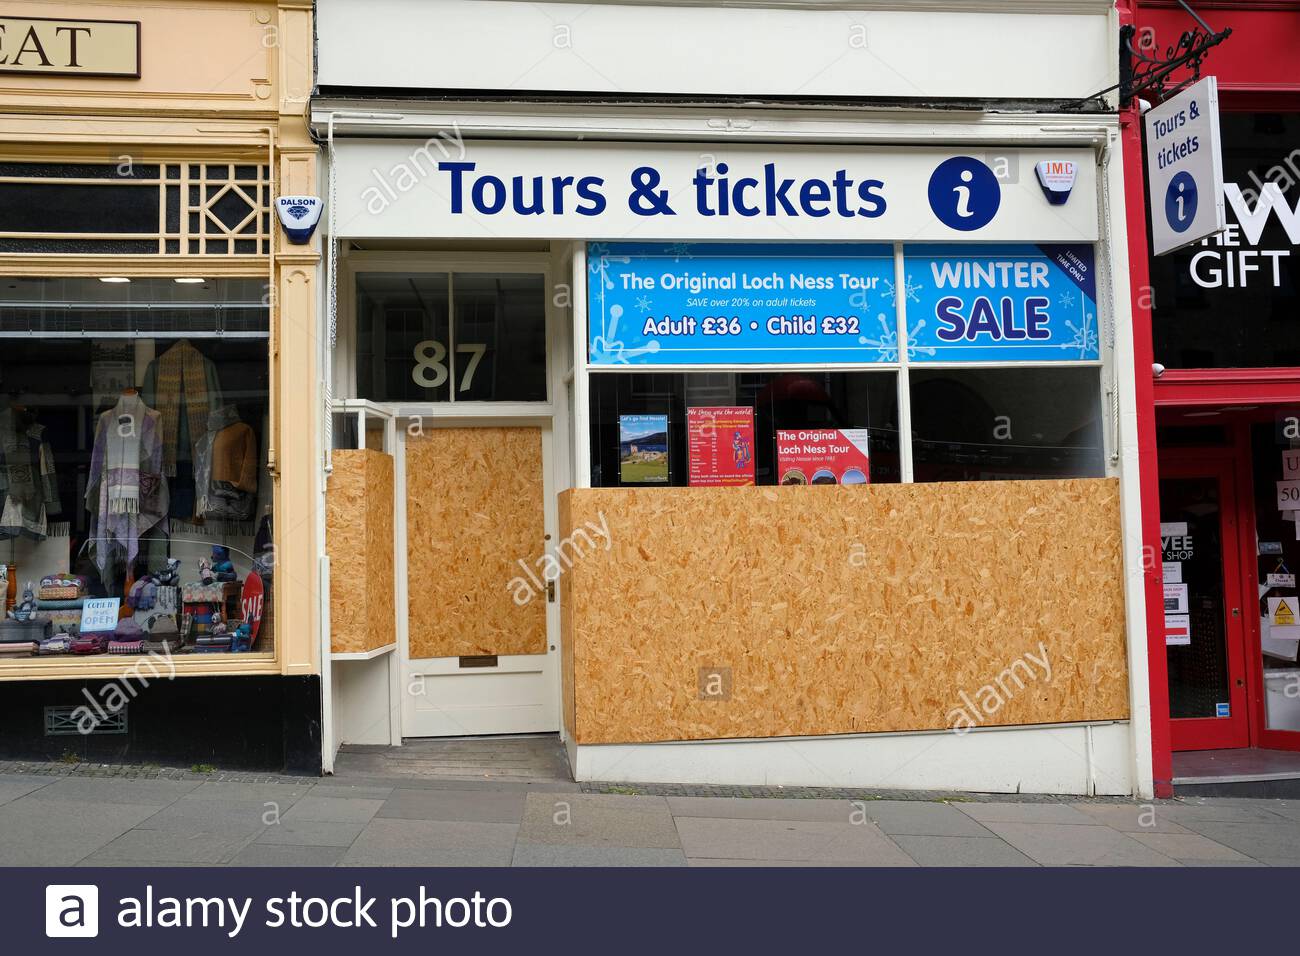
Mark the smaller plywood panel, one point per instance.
(359, 541)
(769, 612)
(475, 538)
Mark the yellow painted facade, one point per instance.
(220, 82)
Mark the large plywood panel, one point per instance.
(474, 511)
(359, 541)
(845, 609)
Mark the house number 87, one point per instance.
(430, 369)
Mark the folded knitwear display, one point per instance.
(23, 649)
(62, 605)
(96, 643)
(58, 644)
(125, 647)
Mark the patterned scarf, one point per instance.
(181, 370)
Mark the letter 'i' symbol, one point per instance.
(963, 194)
(1181, 214)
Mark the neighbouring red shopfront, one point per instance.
(1217, 349)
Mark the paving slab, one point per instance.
(169, 846)
(919, 818)
(198, 816)
(598, 820)
(335, 809)
(1275, 843)
(386, 842)
(15, 785)
(282, 794)
(715, 862)
(467, 805)
(740, 808)
(799, 840)
(1190, 846)
(988, 850)
(266, 854)
(352, 791)
(33, 833)
(1210, 810)
(1024, 813)
(542, 854)
(312, 833)
(1131, 817)
(106, 790)
(1061, 844)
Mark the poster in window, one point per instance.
(643, 449)
(721, 445)
(822, 456)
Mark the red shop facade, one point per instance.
(1217, 349)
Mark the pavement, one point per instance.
(49, 817)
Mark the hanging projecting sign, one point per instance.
(1185, 168)
(673, 192)
(1000, 303)
(713, 304)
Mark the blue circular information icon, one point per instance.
(1180, 202)
(964, 193)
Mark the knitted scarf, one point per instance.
(181, 372)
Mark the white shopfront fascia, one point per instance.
(411, 200)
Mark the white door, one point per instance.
(479, 654)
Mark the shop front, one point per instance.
(1218, 354)
(798, 454)
(154, 325)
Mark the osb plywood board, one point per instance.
(359, 540)
(473, 513)
(846, 609)
(566, 635)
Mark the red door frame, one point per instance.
(1217, 733)
(1250, 77)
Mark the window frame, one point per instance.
(1107, 397)
(354, 263)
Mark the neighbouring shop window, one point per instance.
(1006, 423)
(1275, 449)
(438, 337)
(136, 504)
(739, 428)
(1231, 301)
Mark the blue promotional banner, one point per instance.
(1001, 303)
(654, 304)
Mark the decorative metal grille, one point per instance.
(62, 721)
(169, 209)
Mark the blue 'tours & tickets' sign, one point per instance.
(1001, 303)
(655, 304)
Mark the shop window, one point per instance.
(136, 511)
(1276, 452)
(408, 349)
(117, 207)
(1006, 423)
(1231, 301)
(740, 428)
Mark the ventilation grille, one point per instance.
(82, 721)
